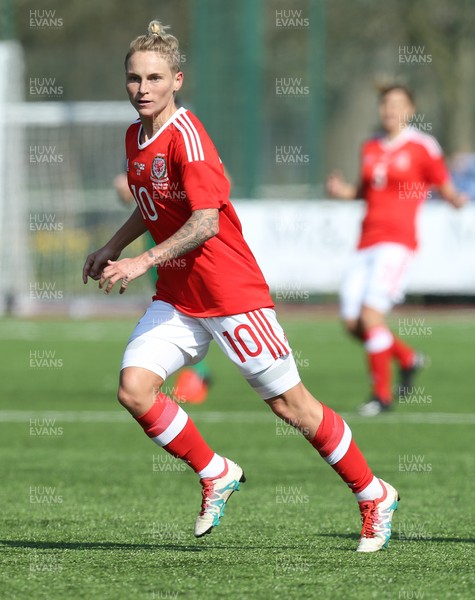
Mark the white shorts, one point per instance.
(376, 277)
(166, 339)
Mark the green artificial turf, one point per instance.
(92, 509)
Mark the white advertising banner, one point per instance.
(303, 246)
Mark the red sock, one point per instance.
(335, 444)
(170, 427)
(378, 344)
(403, 353)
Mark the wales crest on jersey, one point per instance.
(158, 174)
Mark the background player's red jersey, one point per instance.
(175, 172)
(395, 178)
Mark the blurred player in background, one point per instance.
(209, 287)
(398, 168)
(192, 383)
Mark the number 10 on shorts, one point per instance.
(250, 340)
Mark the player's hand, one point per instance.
(125, 270)
(336, 185)
(97, 261)
(460, 200)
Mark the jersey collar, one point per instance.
(176, 114)
(399, 140)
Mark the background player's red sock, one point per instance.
(403, 353)
(170, 427)
(335, 444)
(378, 344)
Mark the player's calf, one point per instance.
(298, 408)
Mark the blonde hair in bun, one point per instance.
(157, 40)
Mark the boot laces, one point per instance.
(206, 494)
(369, 518)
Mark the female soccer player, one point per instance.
(209, 287)
(397, 170)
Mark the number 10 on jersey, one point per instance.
(145, 203)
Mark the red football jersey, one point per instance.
(395, 179)
(175, 172)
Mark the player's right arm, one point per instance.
(95, 263)
(337, 187)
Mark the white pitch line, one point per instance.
(93, 416)
(87, 332)
(416, 418)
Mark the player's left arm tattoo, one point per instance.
(201, 226)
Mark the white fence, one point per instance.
(305, 245)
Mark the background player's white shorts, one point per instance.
(376, 277)
(166, 339)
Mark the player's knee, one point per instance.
(370, 318)
(135, 392)
(368, 324)
(365, 322)
(131, 401)
(126, 397)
